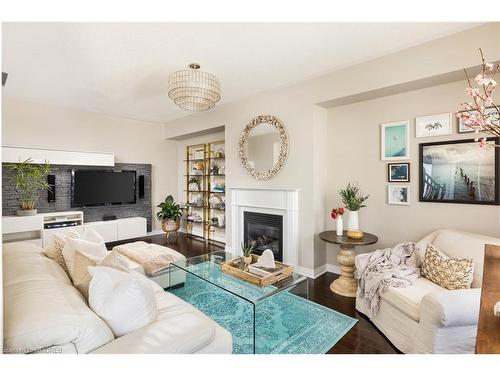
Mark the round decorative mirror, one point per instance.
(263, 147)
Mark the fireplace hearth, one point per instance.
(264, 231)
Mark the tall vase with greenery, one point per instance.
(353, 200)
(29, 179)
(169, 215)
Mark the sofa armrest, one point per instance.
(452, 308)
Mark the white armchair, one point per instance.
(426, 318)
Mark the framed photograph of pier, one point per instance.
(398, 172)
(395, 139)
(460, 171)
(432, 126)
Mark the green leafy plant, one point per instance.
(352, 198)
(169, 210)
(29, 179)
(246, 249)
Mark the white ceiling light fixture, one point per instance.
(194, 90)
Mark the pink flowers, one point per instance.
(477, 114)
(337, 212)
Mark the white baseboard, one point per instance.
(334, 268)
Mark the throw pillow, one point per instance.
(450, 273)
(81, 263)
(125, 301)
(54, 249)
(90, 243)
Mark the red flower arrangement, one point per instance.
(337, 212)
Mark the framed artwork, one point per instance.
(459, 172)
(395, 140)
(432, 126)
(398, 172)
(491, 111)
(398, 194)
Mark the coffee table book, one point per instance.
(236, 267)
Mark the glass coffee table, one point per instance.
(232, 302)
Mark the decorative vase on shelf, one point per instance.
(340, 225)
(352, 221)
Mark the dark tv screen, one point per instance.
(98, 188)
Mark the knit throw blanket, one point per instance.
(151, 257)
(396, 267)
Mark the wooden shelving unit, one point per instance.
(205, 191)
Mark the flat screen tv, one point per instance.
(102, 187)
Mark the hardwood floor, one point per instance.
(363, 338)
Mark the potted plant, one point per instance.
(353, 200)
(170, 215)
(247, 253)
(29, 179)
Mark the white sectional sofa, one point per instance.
(44, 313)
(426, 318)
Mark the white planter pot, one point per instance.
(352, 220)
(340, 225)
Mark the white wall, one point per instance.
(40, 125)
(354, 136)
(297, 107)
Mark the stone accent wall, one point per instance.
(10, 203)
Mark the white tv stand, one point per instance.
(39, 229)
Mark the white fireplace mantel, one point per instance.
(283, 202)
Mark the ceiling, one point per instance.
(122, 68)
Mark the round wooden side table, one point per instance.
(346, 285)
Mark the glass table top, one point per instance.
(207, 267)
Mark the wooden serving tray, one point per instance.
(236, 267)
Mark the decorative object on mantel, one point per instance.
(346, 285)
(481, 114)
(337, 216)
(29, 179)
(170, 216)
(353, 200)
(193, 89)
(247, 249)
(263, 147)
(238, 268)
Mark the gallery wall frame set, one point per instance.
(491, 111)
(398, 194)
(395, 140)
(460, 171)
(434, 125)
(398, 172)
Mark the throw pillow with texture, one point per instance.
(54, 249)
(81, 263)
(125, 301)
(450, 273)
(90, 243)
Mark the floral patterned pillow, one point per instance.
(54, 249)
(450, 273)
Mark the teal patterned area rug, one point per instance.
(286, 323)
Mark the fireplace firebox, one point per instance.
(264, 231)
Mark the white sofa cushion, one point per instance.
(408, 300)
(90, 243)
(125, 301)
(55, 246)
(42, 308)
(179, 328)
